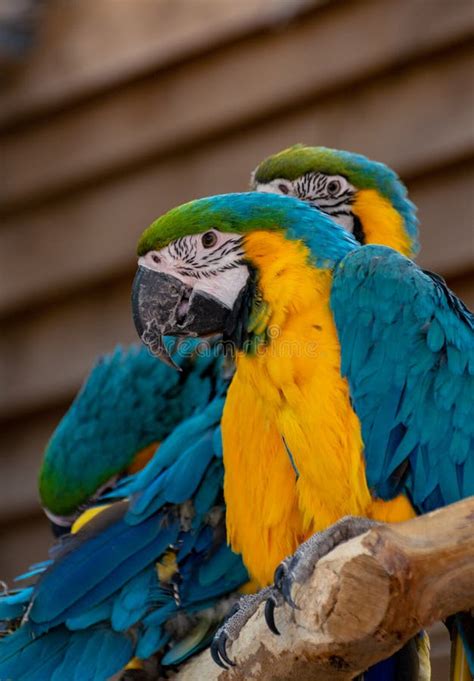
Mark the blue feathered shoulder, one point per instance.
(407, 345)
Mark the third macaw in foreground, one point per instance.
(354, 375)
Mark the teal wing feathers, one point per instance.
(107, 577)
(407, 346)
(129, 401)
(64, 655)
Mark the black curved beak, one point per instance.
(163, 305)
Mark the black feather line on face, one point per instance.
(338, 213)
(185, 249)
(334, 202)
(234, 246)
(235, 333)
(358, 229)
(312, 187)
(209, 273)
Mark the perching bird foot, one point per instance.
(236, 619)
(300, 566)
(296, 568)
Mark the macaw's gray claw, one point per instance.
(286, 592)
(215, 655)
(270, 616)
(299, 567)
(283, 582)
(280, 574)
(219, 652)
(231, 628)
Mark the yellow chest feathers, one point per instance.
(293, 452)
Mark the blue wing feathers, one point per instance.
(409, 376)
(129, 401)
(217, 566)
(152, 640)
(24, 658)
(209, 489)
(174, 445)
(118, 575)
(174, 486)
(90, 564)
(105, 575)
(93, 655)
(133, 601)
(161, 615)
(102, 582)
(14, 604)
(98, 613)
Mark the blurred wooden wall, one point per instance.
(125, 108)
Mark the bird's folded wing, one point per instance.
(407, 347)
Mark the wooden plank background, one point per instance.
(125, 108)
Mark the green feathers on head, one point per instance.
(292, 163)
(238, 213)
(246, 212)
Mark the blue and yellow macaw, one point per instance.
(130, 403)
(121, 409)
(353, 367)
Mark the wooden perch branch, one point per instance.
(363, 602)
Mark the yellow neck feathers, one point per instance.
(293, 452)
(382, 224)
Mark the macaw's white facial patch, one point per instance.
(332, 194)
(211, 263)
(276, 187)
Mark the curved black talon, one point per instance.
(283, 583)
(270, 616)
(215, 655)
(279, 576)
(218, 651)
(286, 593)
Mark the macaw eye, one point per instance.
(208, 239)
(333, 187)
(283, 188)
